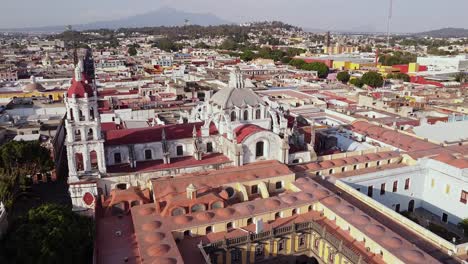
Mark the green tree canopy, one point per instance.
(166, 45)
(399, 76)
(50, 234)
(372, 79)
(321, 68)
(132, 51)
(19, 159)
(356, 82)
(343, 77)
(397, 57)
(247, 55)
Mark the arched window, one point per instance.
(258, 114)
(117, 158)
(91, 113)
(79, 162)
(90, 134)
(198, 208)
(81, 115)
(178, 211)
(233, 116)
(77, 135)
(246, 115)
(94, 161)
(259, 149)
(148, 154)
(71, 115)
(218, 204)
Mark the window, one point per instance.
(302, 240)
(355, 167)
(294, 212)
(281, 245)
(236, 256)
(395, 186)
(277, 216)
(229, 226)
(279, 185)
(233, 116)
(397, 208)
(370, 191)
(367, 165)
(117, 158)
(316, 243)
(254, 189)
(464, 196)
(378, 163)
(259, 149)
(432, 183)
(317, 173)
(407, 183)
(257, 114)
(389, 161)
(382, 189)
(331, 257)
(209, 147)
(208, 229)
(259, 251)
(121, 186)
(444, 218)
(330, 171)
(249, 221)
(186, 233)
(447, 189)
(310, 208)
(180, 150)
(246, 115)
(148, 154)
(343, 169)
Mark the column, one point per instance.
(101, 159)
(71, 161)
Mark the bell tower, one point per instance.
(85, 145)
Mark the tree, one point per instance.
(372, 79)
(166, 45)
(247, 55)
(132, 51)
(320, 67)
(18, 159)
(229, 44)
(357, 82)
(201, 45)
(50, 234)
(297, 63)
(399, 76)
(343, 77)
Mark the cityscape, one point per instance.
(172, 137)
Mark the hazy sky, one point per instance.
(408, 15)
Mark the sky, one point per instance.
(357, 15)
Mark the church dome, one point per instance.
(236, 94)
(33, 87)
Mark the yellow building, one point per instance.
(32, 90)
(348, 65)
(339, 49)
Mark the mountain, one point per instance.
(445, 33)
(162, 17)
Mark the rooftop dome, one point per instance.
(33, 87)
(392, 242)
(236, 94)
(151, 226)
(245, 208)
(331, 201)
(146, 211)
(346, 209)
(414, 256)
(272, 203)
(158, 250)
(225, 212)
(155, 237)
(376, 230)
(204, 216)
(182, 219)
(360, 219)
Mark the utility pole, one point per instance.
(390, 11)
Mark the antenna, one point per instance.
(390, 11)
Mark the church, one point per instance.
(233, 127)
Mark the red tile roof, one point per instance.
(244, 131)
(80, 88)
(154, 134)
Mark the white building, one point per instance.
(445, 63)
